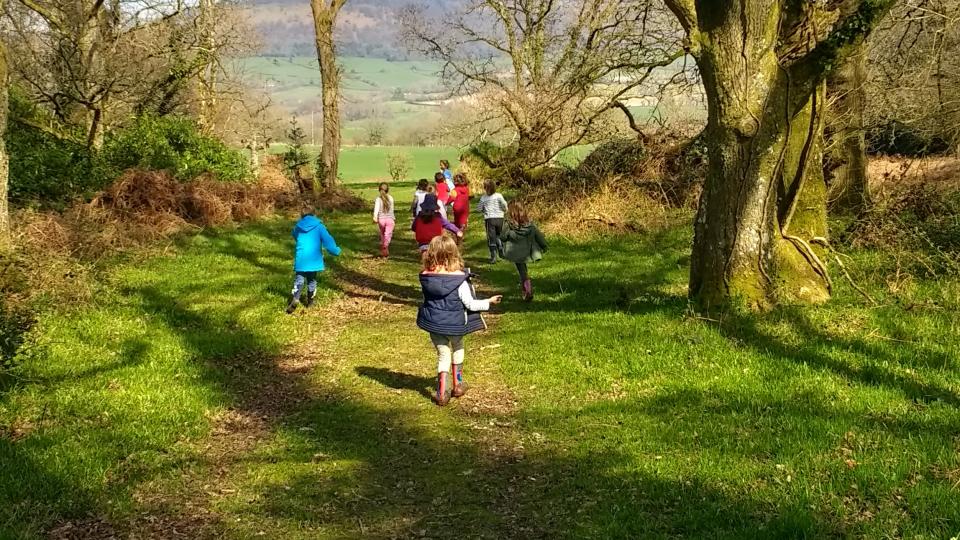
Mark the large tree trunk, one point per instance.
(763, 64)
(846, 164)
(324, 17)
(5, 239)
(208, 74)
(762, 202)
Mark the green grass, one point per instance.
(369, 163)
(601, 410)
(117, 386)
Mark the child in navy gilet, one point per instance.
(449, 312)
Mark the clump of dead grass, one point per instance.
(611, 207)
(914, 219)
(56, 252)
(624, 186)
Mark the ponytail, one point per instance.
(385, 197)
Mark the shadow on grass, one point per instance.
(33, 491)
(384, 473)
(602, 279)
(854, 358)
(349, 467)
(398, 380)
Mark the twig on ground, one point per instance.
(873, 333)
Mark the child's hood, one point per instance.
(441, 284)
(309, 223)
(523, 230)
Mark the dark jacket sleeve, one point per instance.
(541, 240)
(507, 234)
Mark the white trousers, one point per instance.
(448, 348)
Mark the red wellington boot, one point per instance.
(443, 389)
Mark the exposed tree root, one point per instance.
(823, 242)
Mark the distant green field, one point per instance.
(294, 84)
(298, 78)
(369, 163)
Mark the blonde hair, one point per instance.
(443, 251)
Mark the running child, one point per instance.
(418, 196)
(523, 243)
(312, 238)
(449, 312)
(461, 204)
(447, 173)
(430, 223)
(493, 207)
(384, 217)
(444, 192)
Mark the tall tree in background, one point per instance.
(549, 72)
(4, 159)
(324, 17)
(75, 54)
(846, 162)
(763, 64)
(207, 77)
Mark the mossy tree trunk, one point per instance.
(324, 16)
(764, 201)
(846, 164)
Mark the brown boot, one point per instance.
(459, 387)
(442, 396)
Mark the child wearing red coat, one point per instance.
(430, 224)
(461, 204)
(444, 193)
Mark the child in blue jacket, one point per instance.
(312, 238)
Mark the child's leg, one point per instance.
(522, 270)
(444, 352)
(492, 238)
(498, 230)
(311, 278)
(525, 286)
(444, 357)
(388, 226)
(298, 282)
(459, 387)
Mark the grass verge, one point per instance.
(603, 409)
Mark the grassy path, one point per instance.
(184, 404)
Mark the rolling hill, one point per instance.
(366, 28)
